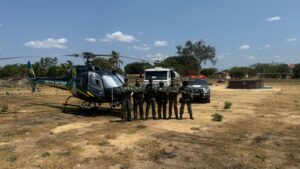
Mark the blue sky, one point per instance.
(242, 31)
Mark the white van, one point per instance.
(160, 74)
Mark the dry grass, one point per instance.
(261, 131)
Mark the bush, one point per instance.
(227, 105)
(141, 126)
(104, 142)
(45, 154)
(4, 109)
(217, 117)
(12, 158)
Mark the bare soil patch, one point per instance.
(260, 130)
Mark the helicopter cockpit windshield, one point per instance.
(110, 81)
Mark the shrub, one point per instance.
(141, 126)
(4, 109)
(217, 117)
(227, 105)
(45, 154)
(104, 142)
(12, 158)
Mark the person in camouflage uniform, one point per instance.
(150, 93)
(126, 101)
(173, 91)
(186, 98)
(162, 99)
(138, 93)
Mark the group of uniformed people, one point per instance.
(152, 95)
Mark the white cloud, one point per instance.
(48, 43)
(291, 39)
(157, 56)
(159, 43)
(221, 56)
(118, 36)
(244, 47)
(251, 57)
(277, 56)
(267, 46)
(143, 47)
(90, 39)
(273, 18)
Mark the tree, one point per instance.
(46, 63)
(209, 72)
(55, 71)
(115, 59)
(198, 50)
(297, 71)
(68, 65)
(136, 67)
(105, 64)
(240, 72)
(13, 71)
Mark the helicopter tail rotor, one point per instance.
(31, 77)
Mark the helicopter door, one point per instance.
(95, 85)
(82, 81)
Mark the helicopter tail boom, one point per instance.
(31, 78)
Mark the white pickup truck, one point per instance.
(160, 74)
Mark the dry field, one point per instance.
(261, 130)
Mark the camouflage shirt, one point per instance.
(173, 90)
(150, 91)
(138, 92)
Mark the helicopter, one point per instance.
(92, 84)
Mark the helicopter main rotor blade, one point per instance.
(130, 57)
(16, 57)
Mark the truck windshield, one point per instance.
(156, 75)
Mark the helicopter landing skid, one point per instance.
(82, 106)
(66, 104)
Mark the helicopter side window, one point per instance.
(97, 82)
(94, 80)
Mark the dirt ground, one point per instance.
(261, 130)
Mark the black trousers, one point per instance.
(189, 106)
(173, 103)
(162, 104)
(138, 106)
(126, 109)
(150, 102)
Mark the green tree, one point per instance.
(136, 67)
(240, 72)
(13, 71)
(296, 71)
(105, 64)
(68, 65)
(55, 71)
(209, 72)
(199, 51)
(115, 59)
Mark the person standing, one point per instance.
(150, 93)
(138, 93)
(126, 101)
(173, 92)
(186, 98)
(161, 99)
